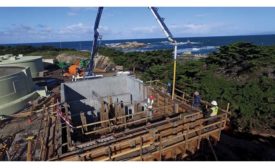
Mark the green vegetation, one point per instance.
(241, 74)
(140, 61)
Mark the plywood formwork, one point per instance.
(174, 131)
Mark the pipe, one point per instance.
(174, 71)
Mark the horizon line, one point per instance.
(138, 39)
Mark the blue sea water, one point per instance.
(195, 45)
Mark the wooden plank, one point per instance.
(58, 136)
(83, 121)
(184, 132)
(68, 130)
(51, 144)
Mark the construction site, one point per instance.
(112, 123)
(99, 118)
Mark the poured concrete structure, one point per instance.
(16, 89)
(170, 129)
(86, 95)
(34, 62)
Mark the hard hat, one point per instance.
(151, 97)
(214, 103)
(197, 93)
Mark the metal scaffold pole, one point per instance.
(174, 71)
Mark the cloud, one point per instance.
(83, 31)
(78, 28)
(17, 33)
(44, 28)
(201, 29)
(182, 30)
(196, 28)
(104, 30)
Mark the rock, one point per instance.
(126, 45)
(68, 58)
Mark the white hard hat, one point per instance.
(214, 103)
(197, 93)
(89, 113)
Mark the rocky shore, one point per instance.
(127, 45)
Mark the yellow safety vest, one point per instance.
(214, 111)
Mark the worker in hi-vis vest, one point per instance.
(149, 106)
(214, 109)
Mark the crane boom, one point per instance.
(170, 37)
(163, 26)
(160, 20)
(95, 42)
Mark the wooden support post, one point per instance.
(107, 113)
(44, 118)
(176, 107)
(147, 92)
(29, 150)
(58, 136)
(227, 108)
(186, 134)
(140, 152)
(135, 108)
(160, 146)
(183, 98)
(166, 105)
(157, 99)
(199, 133)
(102, 113)
(119, 113)
(110, 152)
(51, 144)
(224, 124)
(68, 131)
(46, 135)
(83, 121)
(110, 100)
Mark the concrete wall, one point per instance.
(85, 93)
(136, 88)
(16, 89)
(34, 62)
(118, 86)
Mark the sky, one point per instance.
(55, 24)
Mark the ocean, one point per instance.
(195, 45)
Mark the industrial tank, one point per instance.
(34, 62)
(16, 89)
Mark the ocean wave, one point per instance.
(196, 49)
(112, 44)
(187, 42)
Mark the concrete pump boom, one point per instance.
(170, 37)
(95, 41)
(160, 20)
(165, 29)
